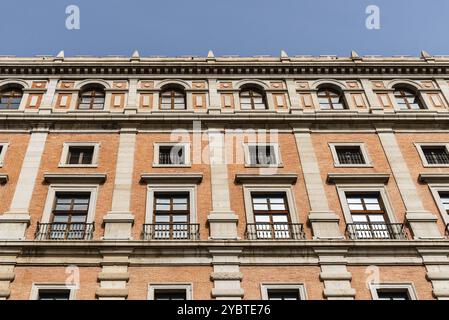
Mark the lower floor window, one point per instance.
(47, 294)
(283, 291)
(167, 294)
(271, 216)
(394, 294)
(283, 294)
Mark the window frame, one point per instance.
(184, 145)
(276, 150)
(374, 287)
(416, 94)
(435, 189)
(171, 188)
(188, 287)
(248, 190)
(173, 90)
(265, 287)
(63, 162)
(334, 145)
(341, 95)
(253, 89)
(68, 188)
(4, 146)
(36, 287)
(91, 88)
(390, 215)
(14, 88)
(420, 145)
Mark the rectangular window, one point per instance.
(69, 217)
(80, 155)
(170, 294)
(171, 216)
(350, 155)
(54, 294)
(279, 294)
(368, 216)
(171, 155)
(262, 155)
(271, 216)
(444, 198)
(393, 294)
(436, 154)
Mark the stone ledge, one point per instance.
(7, 276)
(437, 276)
(287, 178)
(75, 178)
(335, 276)
(439, 293)
(105, 276)
(118, 217)
(226, 276)
(334, 293)
(433, 177)
(358, 177)
(4, 293)
(111, 292)
(217, 293)
(194, 178)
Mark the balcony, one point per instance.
(275, 231)
(64, 231)
(378, 231)
(171, 231)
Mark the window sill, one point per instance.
(78, 166)
(337, 165)
(263, 166)
(156, 165)
(426, 165)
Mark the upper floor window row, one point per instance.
(407, 99)
(11, 97)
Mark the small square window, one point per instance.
(393, 291)
(436, 154)
(350, 155)
(262, 155)
(283, 291)
(80, 155)
(280, 294)
(171, 155)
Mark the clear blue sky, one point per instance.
(240, 27)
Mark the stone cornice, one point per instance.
(358, 177)
(434, 177)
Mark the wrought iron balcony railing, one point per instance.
(64, 231)
(171, 231)
(275, 231)
(381, 230)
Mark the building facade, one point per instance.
(224, 177)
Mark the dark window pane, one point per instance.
(283, 294)
(350, 155)
(80, 155)
(386, 294)
(54, 294)
(165, 294)
(436, 155)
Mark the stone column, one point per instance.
(422, 222)
(119, 221)
(114, 275)
(324, 221)
(222, 221)
(13, 223)
(226, 275)
(334, 274)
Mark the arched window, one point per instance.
(91, 98)
(407, 99)
(252, 98)
(10, 97)
(331, 99)
(173, 98)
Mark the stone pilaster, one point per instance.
(324, 222)
(14, 222)
(422, 222)
(214, 97)
(132, 105)
(119, 221)
(114, 275)
(7, 265)
(222, 221)
(437, 266)
(373, 101)
(226, 274)
(47, 100)
(334, 274)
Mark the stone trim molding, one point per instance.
(75, 178)
(283, 178)
(111, 293)
(433, 177)
(175, 178)
(358, 178)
